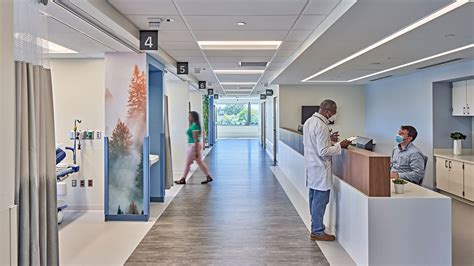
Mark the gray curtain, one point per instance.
(35, 167)
(169, 162)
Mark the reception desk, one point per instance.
(378, 227)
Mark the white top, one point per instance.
(318, 151)
(466, 158)
(154, 159)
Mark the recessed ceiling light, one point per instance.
(238, 71)
(397, 34)
(170, 20)
(238, 83)
(449, 35)
(241, 23)
(239, 45)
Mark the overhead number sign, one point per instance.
(202, 85)
(216, 96)
(263, 96)
(182, 68)
(210, 91)
(148, 40)
(269, 92)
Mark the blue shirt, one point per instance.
(409, 163)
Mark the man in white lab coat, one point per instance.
(318, 150)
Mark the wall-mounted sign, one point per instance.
(216, 96)
(263, 96)
(202, 85)
(148, 40)
(210, 91)
(182, 68)
(269, 92)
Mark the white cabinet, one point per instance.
(463, 98)
(469, 181)
(442, 174)
(455, 177)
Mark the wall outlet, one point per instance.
(98, 134)
(90, 183)
(83, 183)
(74, 183)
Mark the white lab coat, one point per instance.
(318, 150)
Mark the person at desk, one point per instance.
(408, 162)
(318, 150)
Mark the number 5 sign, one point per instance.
(148, 40)
(182, 68)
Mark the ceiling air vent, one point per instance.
(253, 64)
(197, 70)
(381, 78)
(442, 63)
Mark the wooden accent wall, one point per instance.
(367, 171)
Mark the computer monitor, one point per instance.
(365, 143)
(307, 112)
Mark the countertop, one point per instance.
(448, 154)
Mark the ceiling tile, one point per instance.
(145, 7)
(240, 35)
(175, 36)
(290, 45)
(178, 45)
(298, 35)
(309, 22)
(241, 7)
(238, 78)
(184, 53)
(237, 53)
(321, 6)
(230, 22)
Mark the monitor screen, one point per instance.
(307, 112)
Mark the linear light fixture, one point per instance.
(415, 62)
(238, 83)
(239, 45)
(239, 71)
(397, 34)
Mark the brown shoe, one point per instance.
(324, 237)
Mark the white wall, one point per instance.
(405, 100)
(78, 90)
(195, 97)
(269, 120)
(7, 134)
(178, 102)
(350, 105)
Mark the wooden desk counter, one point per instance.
(367, 171)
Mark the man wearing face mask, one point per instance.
(408, 162)
(318, 151)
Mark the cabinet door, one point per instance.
(456, 178)
(442, 174)
(459, 97)
(470, 97)
(469, 181)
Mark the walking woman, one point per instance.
(194, 149)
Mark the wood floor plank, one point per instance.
(242, 218)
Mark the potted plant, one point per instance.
(457, 137)
(399, 185)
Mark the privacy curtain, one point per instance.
(35, 166)
(169, 163)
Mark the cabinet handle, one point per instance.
(445, 163)
(449, 164)
(464, 110)
(468, 110)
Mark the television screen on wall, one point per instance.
(307, 112)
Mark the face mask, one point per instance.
(399, 139)
(332, 119)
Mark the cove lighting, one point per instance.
(239, 45)
(55, 48)
(238, 71)
(238, 83)
(423, 21)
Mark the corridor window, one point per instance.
(237, 114)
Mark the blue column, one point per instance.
(156, 132)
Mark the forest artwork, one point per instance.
(126, 104)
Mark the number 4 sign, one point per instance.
(148, 40)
